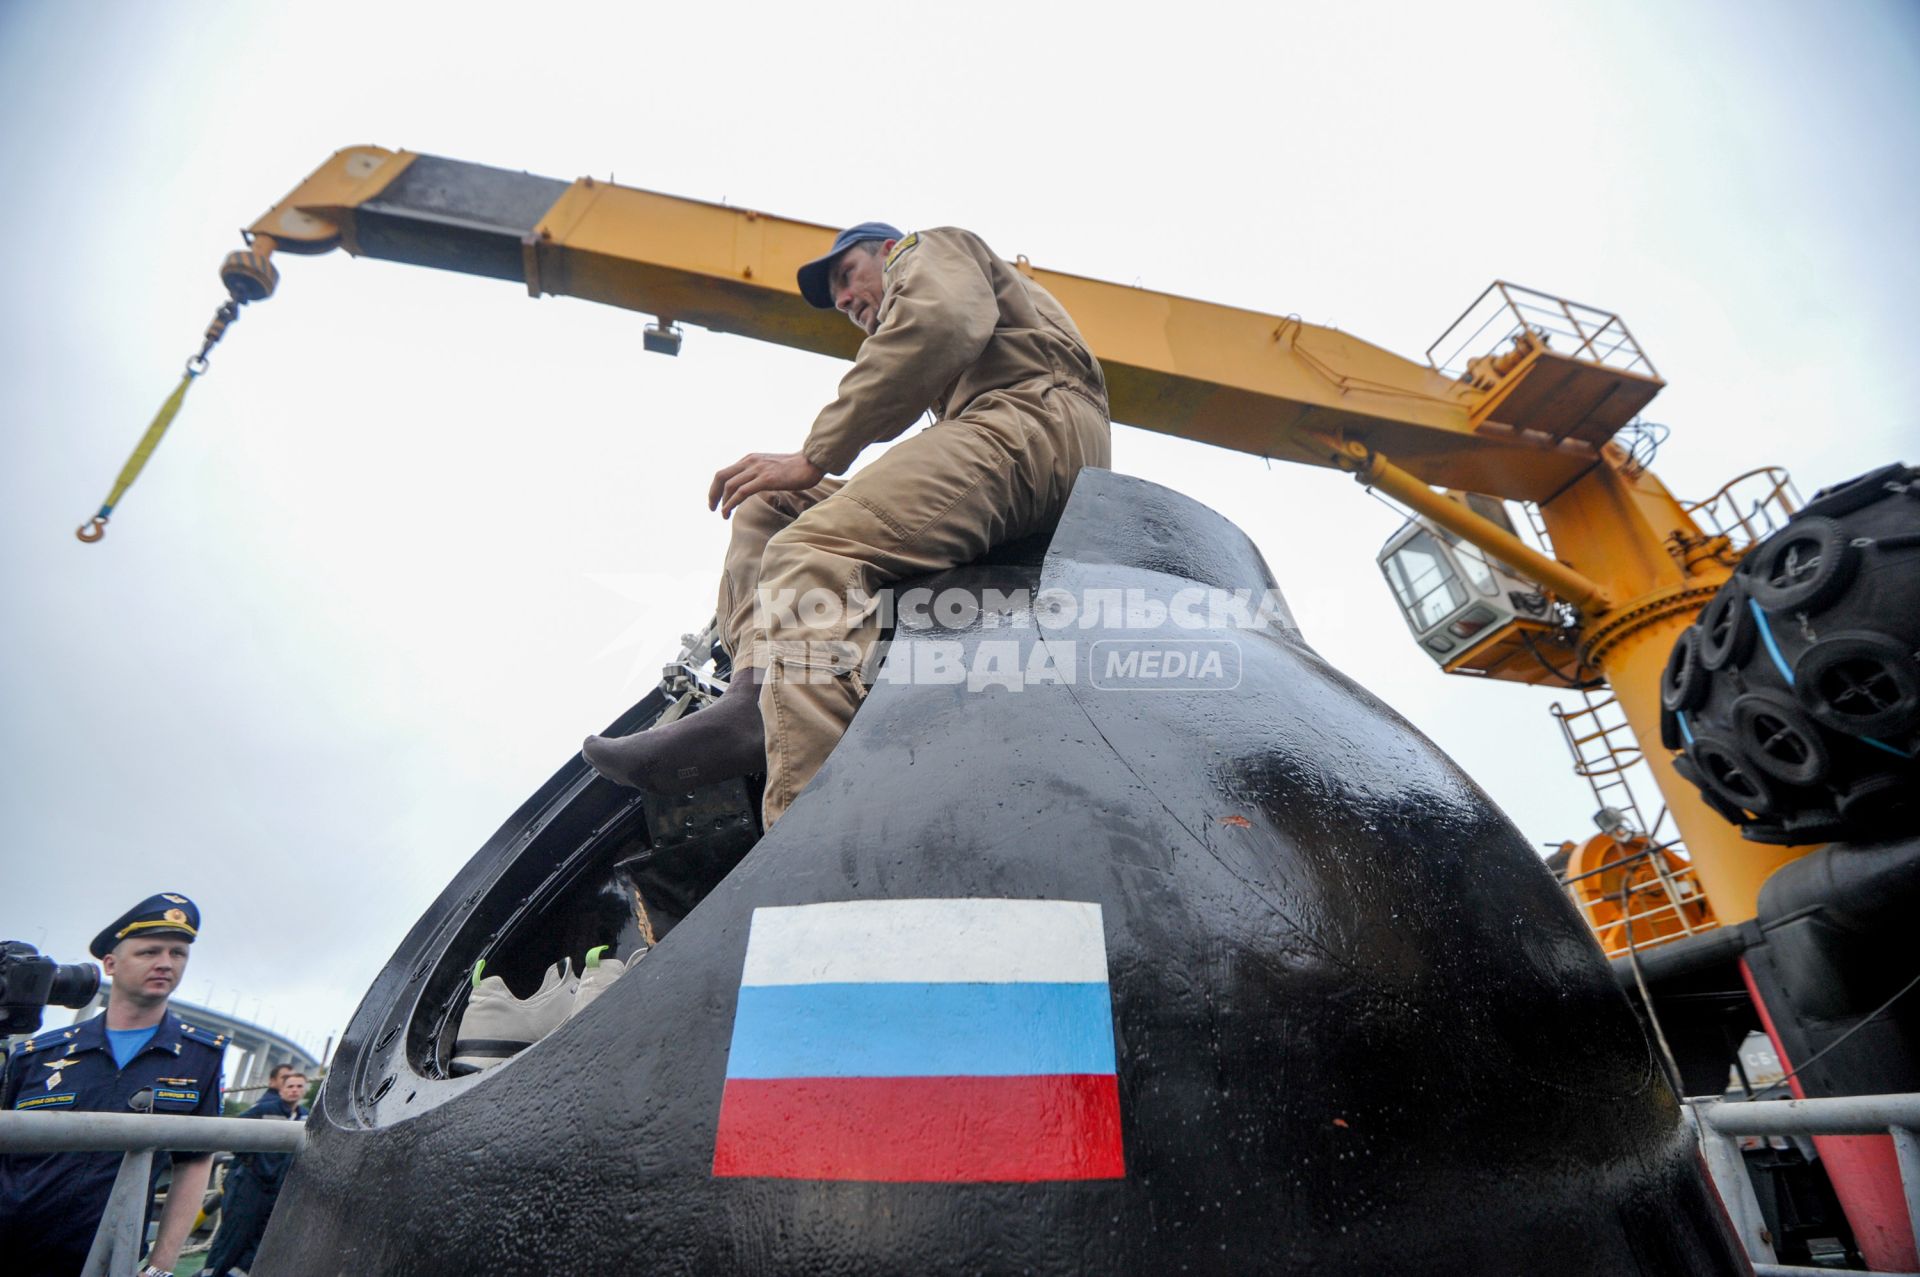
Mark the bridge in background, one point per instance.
(259, 1047)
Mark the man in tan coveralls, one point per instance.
(1020, 406)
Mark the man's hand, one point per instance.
(761, 472)
(182, 1208)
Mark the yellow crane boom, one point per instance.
(1532, 421)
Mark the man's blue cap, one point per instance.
(166, 914)
(813, 276)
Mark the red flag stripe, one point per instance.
(945, 1129)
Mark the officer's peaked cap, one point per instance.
(813, 276)
(167, 914)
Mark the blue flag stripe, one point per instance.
(921, 1030)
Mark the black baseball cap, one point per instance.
(813, 276)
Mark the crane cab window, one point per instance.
(1474, 567)
(1424, 582)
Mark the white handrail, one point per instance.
(129, 1132)
(1834, 1115)
(1718, 1121)
(117, 1242)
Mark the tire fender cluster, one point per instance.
(1793, 701)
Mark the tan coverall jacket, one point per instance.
(1020, 406)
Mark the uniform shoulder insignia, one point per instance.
(199, 1034)
(40, 1042)
(901, 249)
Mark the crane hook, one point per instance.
(95, 528)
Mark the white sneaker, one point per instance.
(498, 1026)
(597, 974)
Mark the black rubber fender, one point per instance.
(1779, 738)
(1726, 630)
(1873, 798)
(1860, 682)
(1860, 491)
(1804, 567)
(1683, 684)
(1805, 663)
(1730, 772)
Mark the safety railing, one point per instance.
(119, 1241)
(1647, 893)
(1749, 508)
(1719, 1123)
(1641, 899)
(1506, 311)
(1537, 524)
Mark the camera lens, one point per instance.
(74, 984)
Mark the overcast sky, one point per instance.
(416, 534)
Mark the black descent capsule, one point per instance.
(1148, 943)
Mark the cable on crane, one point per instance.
(1577, 684)
(96, 527)
(1674, 1077)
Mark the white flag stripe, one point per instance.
(927, 941)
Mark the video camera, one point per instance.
(28, 982)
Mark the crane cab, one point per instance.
(1472, 614)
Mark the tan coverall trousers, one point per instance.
(999, 471)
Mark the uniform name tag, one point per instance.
(47, 1101)
(176, 1097)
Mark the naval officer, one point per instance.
(136, 1056)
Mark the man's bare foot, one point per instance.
(717, 743)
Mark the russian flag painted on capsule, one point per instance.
(945, 1040)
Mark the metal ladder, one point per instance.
(1605, 753)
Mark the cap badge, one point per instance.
(175, 915)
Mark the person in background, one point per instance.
(253, 1182)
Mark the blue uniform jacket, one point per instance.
(270, 1168)
(50, 1203)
